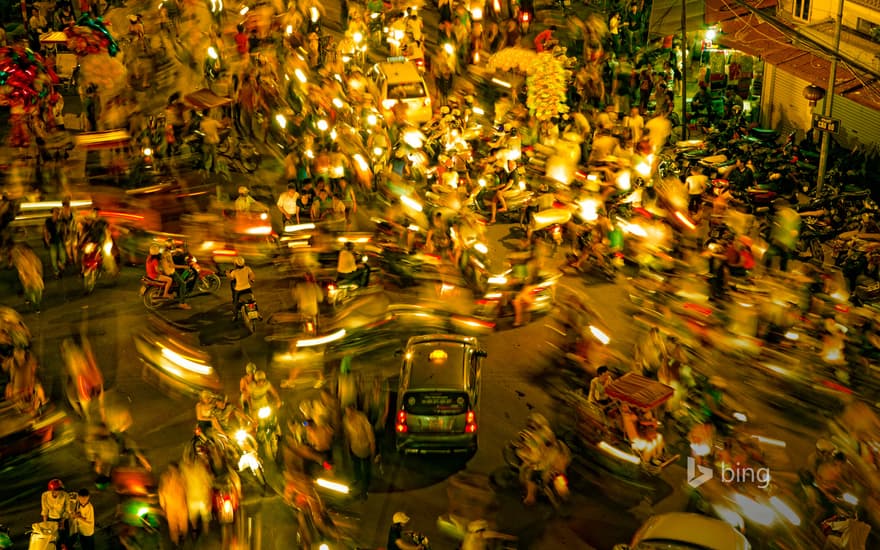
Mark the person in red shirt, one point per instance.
(241, 41)
(543, 38)
(153, 271)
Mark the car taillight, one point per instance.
(525, 17)
(401, 422)
(227, 505)
(470, 425)
(331, 286)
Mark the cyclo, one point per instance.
(623, 436)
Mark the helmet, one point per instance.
(204, 395)
(477, 525)
(250, 368)
(239, 262)
(400, 517)
(56, 485)
(154, 249)
(538, 420)
(243, 190)
(260, 375)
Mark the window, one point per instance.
(802, 9)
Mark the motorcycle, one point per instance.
(248, 310)
(248, 455)
(93, 260)
(268, 431)
(197, 278)
(227, 497)
(550, 225)
(552, 484)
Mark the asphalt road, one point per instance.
(518, 358)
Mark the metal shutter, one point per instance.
(857, 123)
(785, 109)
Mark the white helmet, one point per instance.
(400, 517)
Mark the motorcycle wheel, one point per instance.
(89, 279)
(250, 160)
(250, 324)
(209, 284)
(152, 298)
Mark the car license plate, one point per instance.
(435, 425)
(253, 314)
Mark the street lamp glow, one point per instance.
(711, 34)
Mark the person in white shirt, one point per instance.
(696, 185)
(54, 508)
(210, 127)
(636, 123)
(84, 520)
(347, 269)
(287, 205)
(241, 277)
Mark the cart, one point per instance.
(624, 434)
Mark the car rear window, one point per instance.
(435, 403)
(408, 90)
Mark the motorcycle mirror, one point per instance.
(481, 353)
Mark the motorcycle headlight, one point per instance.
(248, 460)
(108, 247)
(89, 248)
(241, 436)
(264, 412)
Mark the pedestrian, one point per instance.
(308, 295)
(287, 205)
(53, 231)
(83, 520)
(784, 235)
(545, 38)
(614, 31)
(696, 184)
(361, 446)
(172, 499)
(198, 483)
(210, 128)
(241, 42)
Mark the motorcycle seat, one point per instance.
(551, 216)
(152, 282)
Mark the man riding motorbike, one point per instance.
(542, 455)
(348, 270)
(241, 277)
(260, 392)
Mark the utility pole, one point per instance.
(684, 64)
(829, 99)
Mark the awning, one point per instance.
(56, 37)
(110, 139)
(666, 17)
(206, 99)
(746, 32)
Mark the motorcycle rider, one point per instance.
(348, 270)
(226, 414)
(478, 533)
(205, 418)
(95, 230)
(260, 391)
(397, 536)
(241, 277)
(154, 272)
(244, 385)
(170, 269)
(54, 508)
(541, 454)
